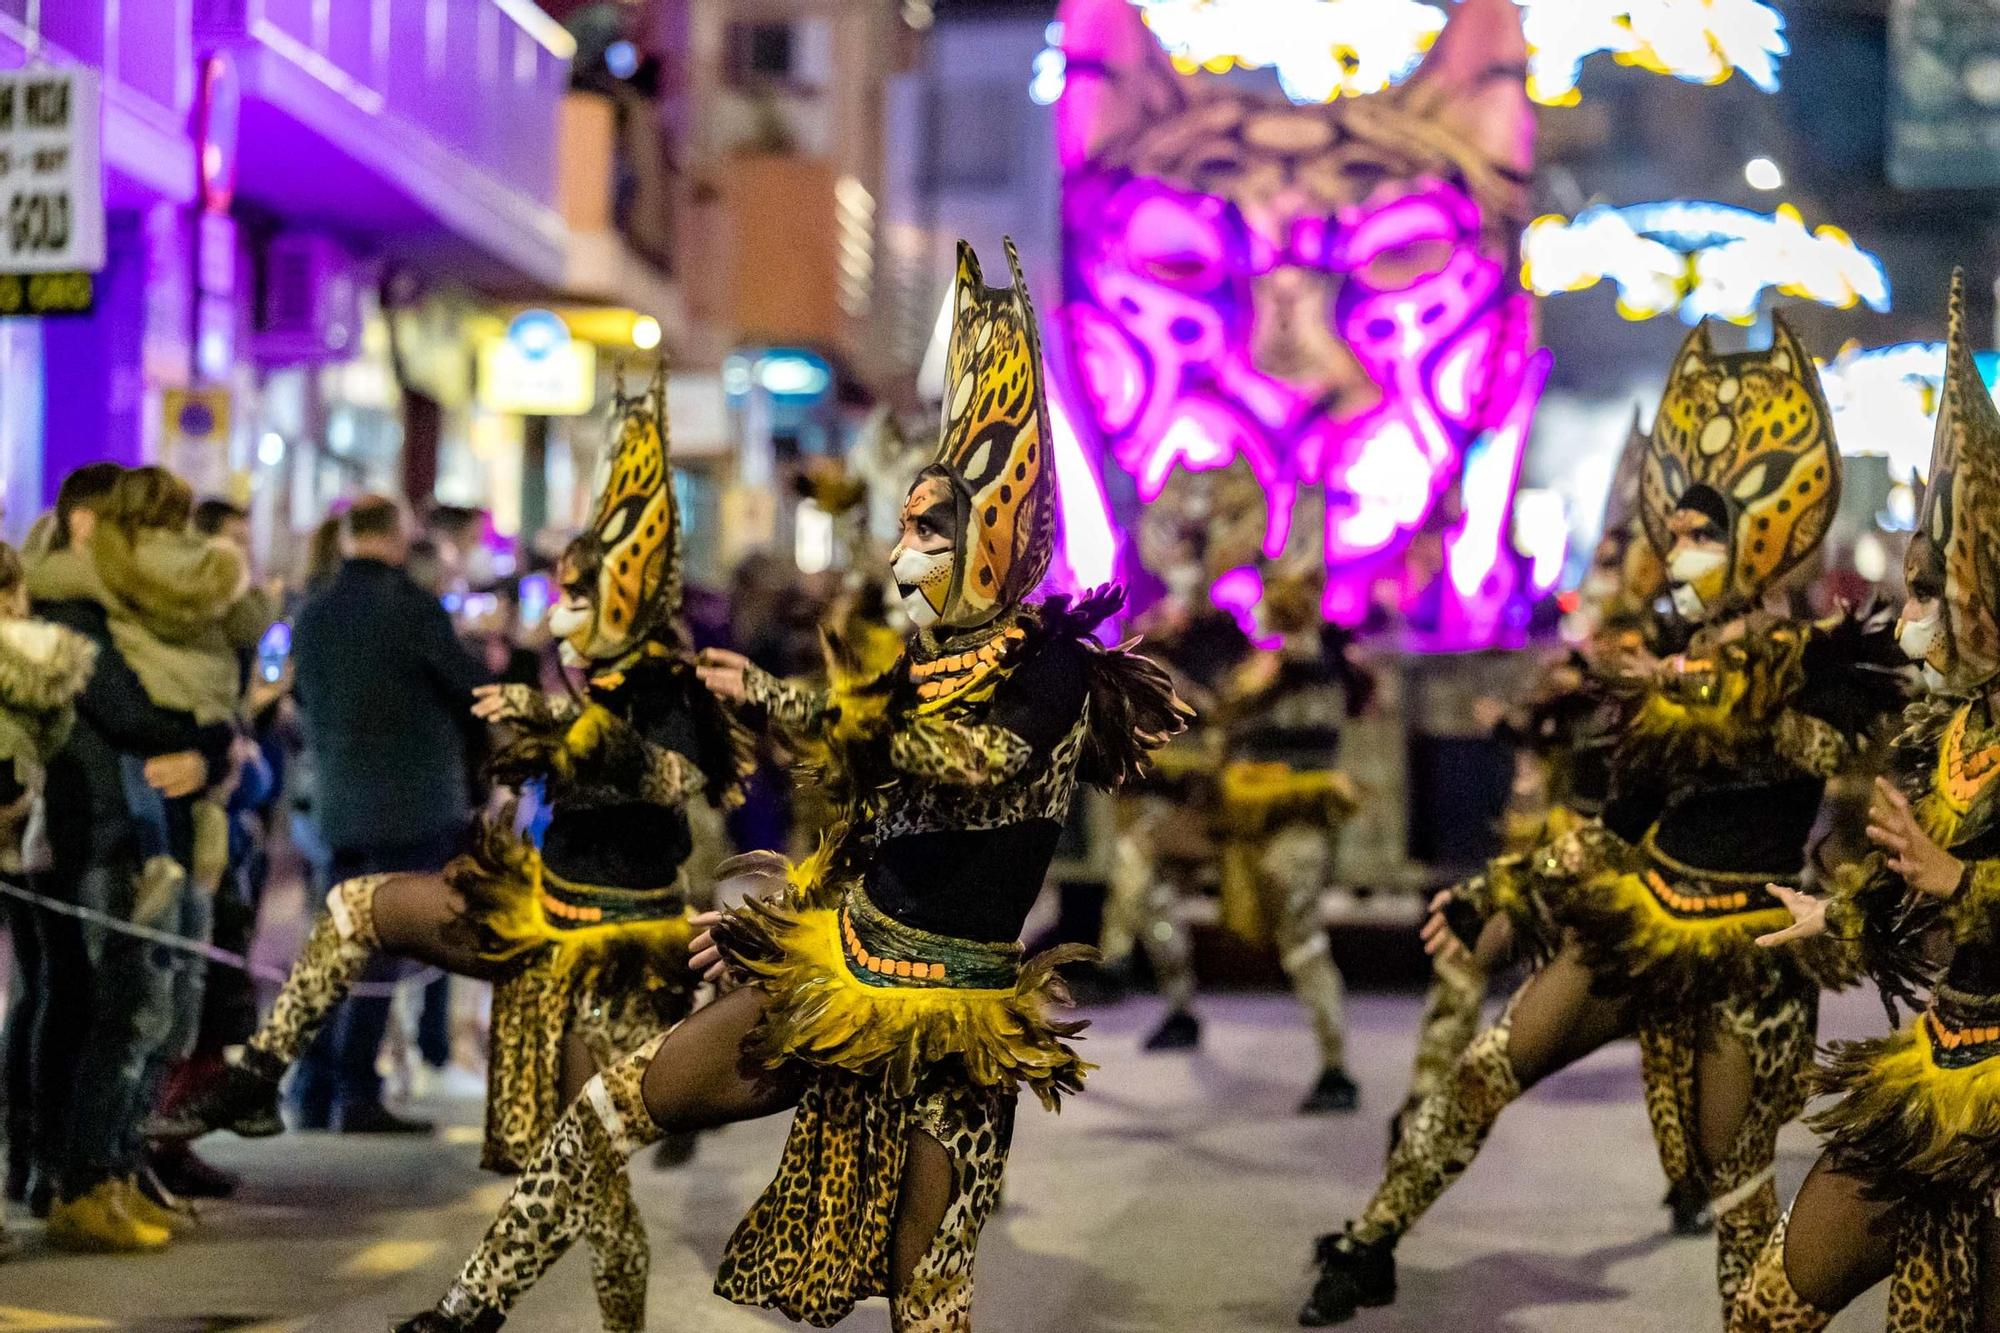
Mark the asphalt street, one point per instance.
(1179, 1195)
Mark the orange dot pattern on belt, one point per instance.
(888, 967)
(1695, 904)
(1952, 1039)
(568, 912)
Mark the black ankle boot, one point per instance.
(1333, 1094)
(1180, 1032)
(430, 1321)
(1687, 1200)
(242, 1098)
(1352, 1276)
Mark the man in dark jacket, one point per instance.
(385, 688)
(106, 983)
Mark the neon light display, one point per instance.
(1700, 259)
(1884, 400)
(1323, 294)
(1324, 49)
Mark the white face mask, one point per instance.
(1915, 637)
(568, 616)
(1687, 569)
(914, 571)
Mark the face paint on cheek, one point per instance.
(923, 579)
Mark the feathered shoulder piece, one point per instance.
(1134, 709)
(1856, 676)
(1805, 692)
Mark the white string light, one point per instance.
(1326, 49)
(1702, 259)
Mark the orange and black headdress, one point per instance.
(1955, 554)
(994, 446)
(628, 562)
(1746, 439)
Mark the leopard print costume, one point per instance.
(1443, 1135)
(339, 947)
(785, 1257)
(1767, 1302)
(1936, 1260)
(576, 1186)
(1452, 1008)
(1776, 1029)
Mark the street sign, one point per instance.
(51, 183)
(1944, 101)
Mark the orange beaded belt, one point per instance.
(1695, 892)
(571, 906)
(1963, 1029)
(882, 951)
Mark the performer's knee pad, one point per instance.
(351, 904)
(616, 1096)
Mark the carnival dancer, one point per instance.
(1166, 848)
(1716, 783)
(1283, 803)
(884, 991)
(1564, 736)
(1907, 1184)
(585, 937)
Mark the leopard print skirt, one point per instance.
(905, 1032)
(608, 966)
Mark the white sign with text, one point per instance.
(51, 186)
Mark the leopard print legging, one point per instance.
(1443, 1135)
(576, 1186)
(1774, 1031)
(336, 952)
(1933, 1280)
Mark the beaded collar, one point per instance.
(952, 667)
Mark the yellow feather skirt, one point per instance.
(610, 985)
(1659, 936)
(1910, 1126)
(901, 1031)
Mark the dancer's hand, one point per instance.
(704, 958)
(726, 674)
(1440, 941)
(502, 703)
(1924, 866)
(1808, 917)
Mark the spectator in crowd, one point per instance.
(222, 520)
(385, 689)
(42, 669)
(228, 1007)
(186, 618)
(98, 862)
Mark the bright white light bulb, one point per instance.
(271, 449)
(645, 333)
(1763, 174)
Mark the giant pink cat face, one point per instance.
(1320, 292)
